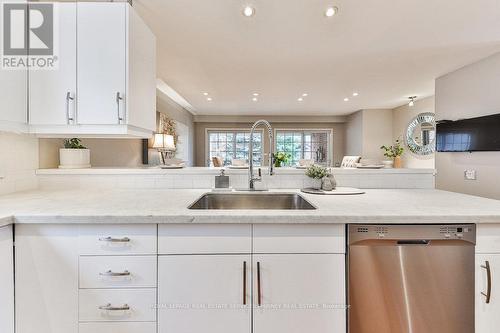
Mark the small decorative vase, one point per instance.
(316, 183)
(326, 184)
(398, 163)
(388, 164)
(333, 181)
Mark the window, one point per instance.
(229, 144)
(305, 144)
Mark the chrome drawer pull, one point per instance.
(114, 240)
(109, 307)
(111, 273)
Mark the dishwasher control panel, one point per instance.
(466, 232)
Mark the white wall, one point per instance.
(354, 134)
(377, 131)
(471, 91)
(18, 162)
(401, 117)
(366, 131)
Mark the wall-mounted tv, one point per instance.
(474, 134)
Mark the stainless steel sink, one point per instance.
(283, 201)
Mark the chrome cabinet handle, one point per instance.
(69, 118)
(111, 273)
(114, 240)
(118, 99)
(487, 267)
(244, 283)
(109, 307)
(259, 286)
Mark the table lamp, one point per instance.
(164, 143)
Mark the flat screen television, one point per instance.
(467, 135)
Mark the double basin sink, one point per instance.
(257, 200)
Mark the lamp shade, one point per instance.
(164, 141)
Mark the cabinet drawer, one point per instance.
(204, 238)
(117, 239)
(488, 238)
(118, 272)
(117, 327)
(137, 304)
(299, 238)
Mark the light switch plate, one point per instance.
(470, 174)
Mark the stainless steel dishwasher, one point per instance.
(411, 278)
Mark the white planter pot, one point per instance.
(74, 158)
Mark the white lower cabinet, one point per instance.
(487, 311)
(111, 278)
(289, 291)
(204, 293)
(296, 293)
(6, 280)
(487, 300)
(46, 278)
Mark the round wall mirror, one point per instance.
(421, 134)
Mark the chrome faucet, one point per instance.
(251, 178)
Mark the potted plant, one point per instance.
(280, 158)
(317, 173)
(394, 152)
(74, 155)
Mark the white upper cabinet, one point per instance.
(53, 92)
(13, 96)
(102, 63)
(106, 81)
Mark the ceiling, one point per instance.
(384, 50)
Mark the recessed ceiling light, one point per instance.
(255, 94)
(300, 99)
(304, 95)
(254, 99)
(205, 93)
(355, 94)
(331, 11)
(209, 99)
(248, 11)
(346, 99)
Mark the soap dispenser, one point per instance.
(221, 181)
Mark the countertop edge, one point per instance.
(245, 219)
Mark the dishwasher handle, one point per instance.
(413, 242)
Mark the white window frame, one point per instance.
(208, 162)
(329, 157)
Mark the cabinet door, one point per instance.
(6, 280)
(46, 278)
(204, 293)
(101, 68)
(297, 293)
(52, 92)
(487, 319)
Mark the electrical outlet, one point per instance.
(470, 174)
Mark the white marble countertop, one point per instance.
(170, 206)
(215, 171)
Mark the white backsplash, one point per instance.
(204, 180)
(18, 162)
